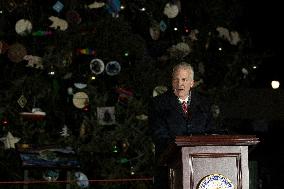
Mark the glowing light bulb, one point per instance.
(275, 84)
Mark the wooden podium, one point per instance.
(209, 161)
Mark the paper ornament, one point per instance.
(22, 101)
(80, 100)
(58, 23)
(96, 5)
(231, 36)
(163, 26)
(106, 115)
(155, 31)
(23, 27)
(64, 131)
(81, 179)
(171, 10)
(50, 175)
(159, 90)
(9, 140)
(58, 6)
(34, 61)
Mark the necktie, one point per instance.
(184, 107)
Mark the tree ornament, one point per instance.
(50, 175)
(115, 148)
(106, 115)
(58, 6)
(97, 66)
(23, 27)
(95, 5)
(80, 100)
(4, 122)
(16, 52)
(171, 10)
(64, 131)
(73, 17)
(22, 101)
(34, 61)
(112, 68)
(58, 23)
(81, 179)
(9, 140)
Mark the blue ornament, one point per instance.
(113, 6)
(163, 26)
(81, 179)
(50, 175)
(58, 6)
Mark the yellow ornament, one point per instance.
(80, 100)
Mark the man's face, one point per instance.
(182, 82)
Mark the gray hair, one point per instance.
(186, 66)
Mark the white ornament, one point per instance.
(64, 131)
(58, 23)
(171, 10)
(23, 27)
(9, 141)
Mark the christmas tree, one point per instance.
(79, 74)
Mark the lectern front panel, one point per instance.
(215, 162)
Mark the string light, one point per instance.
(275, 84)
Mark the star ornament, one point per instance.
(9, 140)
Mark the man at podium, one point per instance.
(177, 112)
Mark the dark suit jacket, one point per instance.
(167, 120)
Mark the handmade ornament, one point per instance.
(124, 95)
(106, 115)
(96, 5)
(9, 140)
(58, 23)
(80, 85)
(16, 52)
(181, 49)
(73, 17)
(81, 179)
(80, 100)
(155, 31)
(50, 175)
(113, 7)
(159, 90)
(163, 26)
(112, 68)
(97, 66)
(58, 6)
(193, 35)
(171, 10)
(64, 131)
(215, 110)
(22, 101)
(34, 61)
(23, 27)
(142, 117)
(231, 36)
